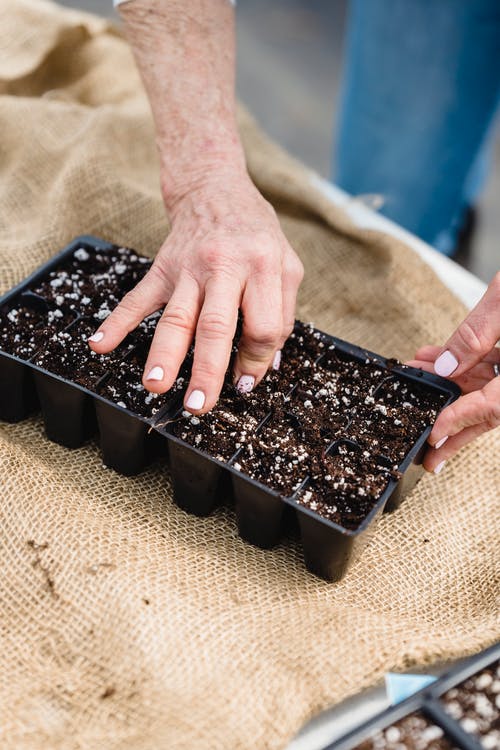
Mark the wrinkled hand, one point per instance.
(225, 251)
(471, 358)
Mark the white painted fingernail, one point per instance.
(96, 337)
(439, 468)
(196, 400)
(445, 364)
(156, 373)
(245, 383)
(277, 360)
(441, 442)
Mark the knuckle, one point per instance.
(448, 418)
(205, 371)
(159, 271)
(261, 261)
(471, 338)
(214, 325)
(159, 282)
(492, 412)
(131, 305)
(296, 270)
(265, 334)
(494, 421)
(176, 316)
(300, 272)
(212, 256)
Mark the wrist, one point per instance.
(207, 165)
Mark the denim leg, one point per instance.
(480, 169)
(420, 90)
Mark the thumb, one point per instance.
(475, 337)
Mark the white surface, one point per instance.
(336, 722)
(464, 284)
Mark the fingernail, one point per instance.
(277, 360)
(196, 400)
(96, 337)
(441, 442)
(439, 468)
(445, 364)
(245, 383)
(155, 374)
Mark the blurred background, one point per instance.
(289, 69)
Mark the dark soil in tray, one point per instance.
(391, 420)
(300, 352)
(344, 380)
(413, 732)
(89, 283)
(124, 385)
(319, 395)
(397, 393)
(282, 454)
(385, 431)
(93, 282)
(346, 487)
(68, 354)
(475, 704)
(315, 411)
(222, 431)
(24, 329)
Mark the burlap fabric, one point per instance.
(126, 623)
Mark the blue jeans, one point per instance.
(420, 92)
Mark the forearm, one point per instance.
(185, 52)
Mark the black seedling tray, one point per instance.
(430, 704)
(73, 412)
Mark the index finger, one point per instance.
(145, 298)
(475, 337)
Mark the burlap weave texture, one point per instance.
(159, 630)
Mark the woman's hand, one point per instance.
(225, 251)
(471, 358)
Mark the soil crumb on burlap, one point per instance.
(183, 636)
